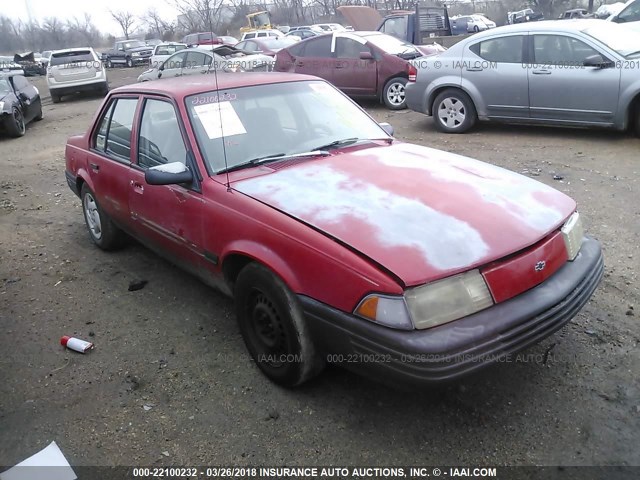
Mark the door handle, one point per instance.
(339, 66)
(474, 69)
(137, 186)
(300, 64)
(542, 72)
(94, 166)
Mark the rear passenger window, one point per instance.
(501, 50)
(114, 135)
(160, 138)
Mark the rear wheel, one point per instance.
(273, 327)
(101, 229)
(55, 98)
(14, 123)
(393, 93)
(453, 111)
(637, 122)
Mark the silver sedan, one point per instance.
(573, 73)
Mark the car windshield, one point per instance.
(275, 120)
(62, 58)
(391, 45)
(623, 40)
(5, 87)
(169, 49)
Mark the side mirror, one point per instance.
(387, 127)
(168, 174)
(366, 56)
(596, 61)
(23, 96)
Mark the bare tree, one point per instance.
(126, 20)
(198, 15)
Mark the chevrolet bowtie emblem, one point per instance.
(540, 266)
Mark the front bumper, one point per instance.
(453, 350)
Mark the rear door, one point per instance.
(562, 89)
(316, 58)
(351, 74)
(168, 216)
(494, 69)
(109, 157)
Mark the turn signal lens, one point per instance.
(572, 233)
(389, 310)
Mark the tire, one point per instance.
(453, 111)
(273, 327)
(393, 94)
(129, 62)
(14, 123)
(637, 122)
(55, 98)
(101, 229)
(109, 64)
(476, 29)
(39, 116)
(104, 90)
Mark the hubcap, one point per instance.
(451, 112)
(395, 93)
(270, 336)
(92, 216)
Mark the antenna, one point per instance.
(215, 76)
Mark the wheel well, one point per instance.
(233, 265)
(79, 183)
(386, 80)
(439, 90)
(634, 108)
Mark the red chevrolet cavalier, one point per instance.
(338, 243)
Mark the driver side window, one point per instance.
(560, 50)
(160, 136)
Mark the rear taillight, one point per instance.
(413, 73)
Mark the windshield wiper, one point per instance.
(274, 157)
(339, 143)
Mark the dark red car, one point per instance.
(339, 243)
(361, 64)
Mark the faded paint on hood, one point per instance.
(421, 213)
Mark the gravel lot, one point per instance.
(170, 382)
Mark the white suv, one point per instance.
(75, 70)
(262, 34)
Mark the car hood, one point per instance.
(420, 213)
(140, 49)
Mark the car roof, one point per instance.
(184, 86)
(69, 50)
(574, 25)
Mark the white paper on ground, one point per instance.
(211, 115)
(49, 463)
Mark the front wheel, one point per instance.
(129, 62)
(393, 94)
(101, 229)
(453, 111)
(109, 64)
(14, 123)
(273, 327)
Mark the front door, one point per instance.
(168, 217)
(353, 75)
(562, 89)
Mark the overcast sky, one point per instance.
(98, 9)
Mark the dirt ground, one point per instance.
(170, 382)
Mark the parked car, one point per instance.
(200, 60)
(75, 70)
(29, 64)
(20, 104)
(267, 46)
(302, 34)
(575, 13)
(330, 27)
(629, 15)
(7, 64)
(463, 24)
(524, 16)
(273, 33)
(555, 73)
(363, 64)
(46, 55)
(202, 38)
(339, 244)
(128, 52)
(163, 51)
(307, 27)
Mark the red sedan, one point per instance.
(338, 243)
(361, 64)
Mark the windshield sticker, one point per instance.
(203, 100)
(219, 120)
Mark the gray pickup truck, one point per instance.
(128, 52)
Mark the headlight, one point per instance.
(429, 305)
(135, 54)
(572, 233)
(448, 299)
